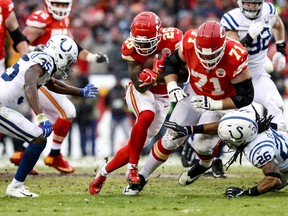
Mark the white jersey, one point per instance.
(235, 20)
(267, 146)
(13, 79)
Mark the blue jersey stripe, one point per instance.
(17, 131)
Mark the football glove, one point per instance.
(176, 93)
(279, 59)
(158, 64)
(147, 77)
(97, 57)
(90, 91)
(205, 102)
(255, 29)
(100, 58)
(235, 192)
(44, 124)
(181, 131)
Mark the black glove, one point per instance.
(235, 192)
(180, 130)
(281, 47)
(100, 58)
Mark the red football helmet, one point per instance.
(210, 44)
(146, 32)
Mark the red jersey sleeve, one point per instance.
(7, 7)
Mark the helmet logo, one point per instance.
(62, 47)
(239, 129)
(220, 72)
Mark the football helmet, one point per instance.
(210, 44)
(64, 51)
(237, 128)
(146, 32)
(252, 10)
(59, 12)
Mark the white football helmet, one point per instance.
(64, 51)
(59, 13)
(251, 12)
(237, 128)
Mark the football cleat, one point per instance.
(16, 159)
(59, 163)
(192, 175)
(132, 176)
(134, 189)
(20, 191)
(217, 169)
(98, 182)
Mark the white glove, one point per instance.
(268, 65)
(255, 29)
(176, 93)
(204, 102)
(279, 61)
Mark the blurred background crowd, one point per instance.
(102, 26)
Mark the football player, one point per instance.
(41, 25)
(219, 81)
(20, 83)
(146, 96)
(253, 24)
(8, 22)
(264, 147)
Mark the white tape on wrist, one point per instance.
(91, 57)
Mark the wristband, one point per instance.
(91, 57)
(41, 117)
(172, 85)
(252, 191)
(281, 47)
(198, 129)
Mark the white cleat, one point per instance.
(20, 192)
(184, 179)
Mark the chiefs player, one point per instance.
(219, 80)
(41, 25)
(147, 98)
(8, 22)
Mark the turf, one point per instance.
(68, 195)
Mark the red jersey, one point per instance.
(215, 83)
(171, 38)
(6, 7)
(42, 19)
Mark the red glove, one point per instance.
(147, 77)
(158, 63)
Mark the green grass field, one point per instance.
(68, 195)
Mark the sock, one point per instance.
(30, 158)
(60, 128)
(54, 152)
(16, 183)
(139, 135)
(120, 159)
(157, 156)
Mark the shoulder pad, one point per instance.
(44, 60)
(39, 19)
(7, 6)
(127, 47)
(189, 39)
(269, 8)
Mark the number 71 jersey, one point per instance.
(215, 83)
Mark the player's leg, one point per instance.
(15, 125)
(266, 93)
(60, 111)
